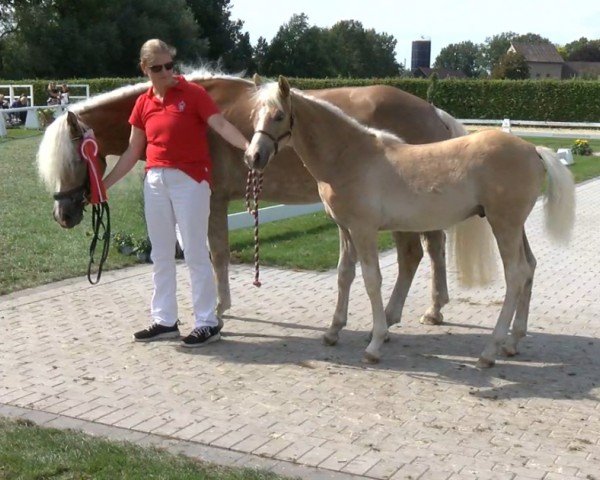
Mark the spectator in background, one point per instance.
(3, 101)
(64, 94)
(18, 118)
(53, 94)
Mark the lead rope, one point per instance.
(253, 189)
(99, 211)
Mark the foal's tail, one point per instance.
(454, 126)
(559, 201)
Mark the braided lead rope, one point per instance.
(253, 189)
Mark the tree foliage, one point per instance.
(583, 50)
(511, 66)
(464, 57)
(56, 39)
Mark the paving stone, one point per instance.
(272, 395)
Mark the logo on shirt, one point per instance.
(181, 106)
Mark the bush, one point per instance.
(581, 147)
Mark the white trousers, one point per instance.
(173, 198)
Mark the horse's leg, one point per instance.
(365, 243)
(436, 248)
(346, 273)
(218, 241)
(410, 252)
(516, 267)
(519, 329)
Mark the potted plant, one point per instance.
(124, 242)
(143, 247)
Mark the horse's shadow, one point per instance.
(552, 366)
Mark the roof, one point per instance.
(538, 52)
(441, 72)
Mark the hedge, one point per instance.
(549, 100)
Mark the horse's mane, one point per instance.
(57, 153)
(268, 94)
(198, 74)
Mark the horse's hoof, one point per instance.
(328, 340)
(509, 350)
(370, 359)
(429, 319)
(484, 363)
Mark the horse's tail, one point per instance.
(472, 243)
(559, 201)
(452, 124)
(473, 247)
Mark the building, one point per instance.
(543, 59)
(545, 62)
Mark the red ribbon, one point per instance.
(89, 151)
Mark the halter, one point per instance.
(92, 191)
(280, 137)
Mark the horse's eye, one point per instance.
(279, 116)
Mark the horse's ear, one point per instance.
(284, 86)
(257, 79)
(73, 124)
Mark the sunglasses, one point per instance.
(158, 68)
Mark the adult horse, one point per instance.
(288, 181)
(371, 180)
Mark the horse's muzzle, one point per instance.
(67, 216)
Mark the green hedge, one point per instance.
(550, 100)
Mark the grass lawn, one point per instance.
(30, 452)
(36, 250)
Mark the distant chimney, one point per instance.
(421, 54)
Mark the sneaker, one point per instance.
(201, 336)
(156, 332)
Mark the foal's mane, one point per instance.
(269, 94)
(57, 156)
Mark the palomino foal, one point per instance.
(370, 180)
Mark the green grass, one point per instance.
(35, 250)
(30, 452)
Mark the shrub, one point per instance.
(581, 147)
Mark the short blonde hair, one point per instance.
(154, 47)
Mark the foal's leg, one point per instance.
(218, 241)
(519, 329)
(410, 252)
(516, 267)
(366, 247)
(346, 274)
(436, 248)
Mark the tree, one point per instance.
(512, 66)
(583, 50)
(464, 57)
(361, 53)
(298, 50)
(227, 43)
(56, 39)
(260, 54)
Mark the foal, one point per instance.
(370, 180)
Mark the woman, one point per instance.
(170, 121)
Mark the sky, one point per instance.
(441, 21)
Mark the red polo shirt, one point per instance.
(176, 128)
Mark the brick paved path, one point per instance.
(272, 395)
